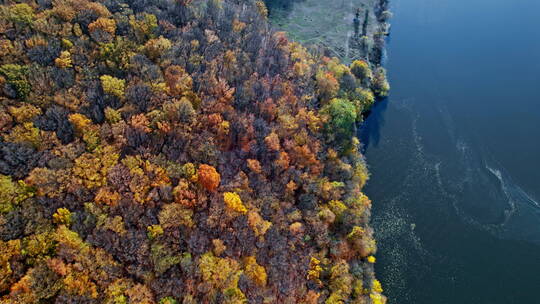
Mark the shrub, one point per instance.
(113, 86)
(377, 298)
(112, 116)
(168, 300)
(154, 231)
(21, 13)
(376, 286)
(15, 76)
(62, 216)
(64, 61)
(12, 193)
(144, 26)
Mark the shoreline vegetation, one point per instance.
(180, 152)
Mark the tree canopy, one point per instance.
(178, 152)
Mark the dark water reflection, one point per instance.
(370, 133)
(455, 153)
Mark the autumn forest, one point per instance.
(179, 152)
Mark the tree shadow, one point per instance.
(280, 7)
(369, 131)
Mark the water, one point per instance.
(454, 153)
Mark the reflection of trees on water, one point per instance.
(370, 130)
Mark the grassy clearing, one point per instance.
(329, 24)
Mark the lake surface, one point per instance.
(454, 153)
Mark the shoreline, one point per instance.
(374, 56)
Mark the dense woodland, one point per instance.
(160, 151)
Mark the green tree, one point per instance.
(144, 26)
(341, 117)
(113, 86)
(21, 13)
(13, 193)
(168, 300)
(15, 76)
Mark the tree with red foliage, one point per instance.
(208, 177)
